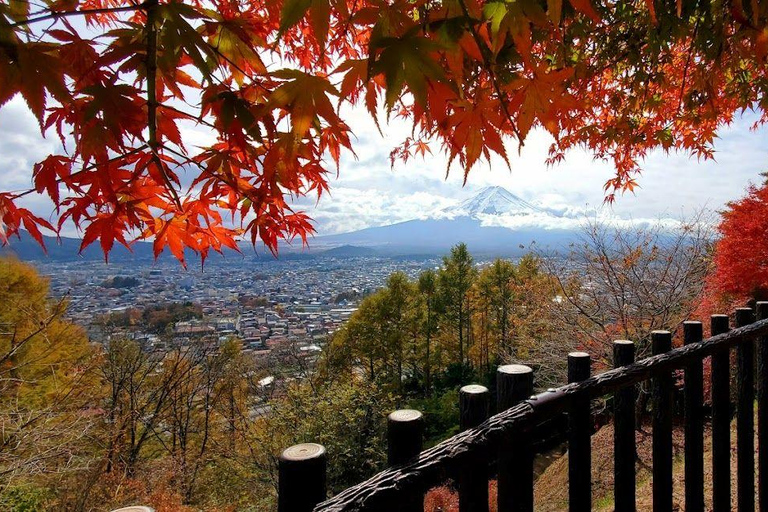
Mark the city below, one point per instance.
(263, 304)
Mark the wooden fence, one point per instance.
(507, 438)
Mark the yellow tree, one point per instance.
(45, 391)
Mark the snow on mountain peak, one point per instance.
(494, 201)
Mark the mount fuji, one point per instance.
(493, 201)
(494, 221)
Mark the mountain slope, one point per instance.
(493, 221)
(493, 201)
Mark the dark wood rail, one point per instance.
(506, 430)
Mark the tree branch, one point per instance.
(81, 12)
(151, 63)
(489, 67)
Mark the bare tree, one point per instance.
(622, 282)
(625, 281)
(44, 380)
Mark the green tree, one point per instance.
(347, 416)
(484, 316)
(359, 343)
(46, 388)
(456, 279)
(502, 273)
(427, 287)
(397, 297)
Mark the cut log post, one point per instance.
(762, 412)
(721, 420)
(301, 478)
(694, 423)
(624, 432)
(579, 438)
(474, 407)
(663, 387)
(745, 417)
(514, 383)
(405, 434)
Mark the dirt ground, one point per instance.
(551, 491)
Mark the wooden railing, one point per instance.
(507, 437)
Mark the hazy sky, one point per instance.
(369, 193)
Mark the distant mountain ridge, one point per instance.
(492, 201)
(494, 221)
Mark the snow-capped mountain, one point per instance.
(493, 201)
(492, 221)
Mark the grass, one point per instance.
(551, 491)
(551, 488)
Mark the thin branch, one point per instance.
(81, 12)
(151, 64)
(489, 66)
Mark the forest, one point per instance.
(89, 426)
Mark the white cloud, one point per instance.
(368, 192)
(576, 220)
(670, 185)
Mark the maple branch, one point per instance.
(81, 12)
(190, 161)
(191, 117)
(234, 65)
(107, 162)
(489, 66)
(687, 66)
(151, 64)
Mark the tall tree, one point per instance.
(502, 275)
(484, 321)
(741, 254)
(47, 393)
(270, 78)
(456, 278)
(427, 287)
(381, 336)
(398, 296)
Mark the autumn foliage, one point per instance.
(740, 261)
(116, 81)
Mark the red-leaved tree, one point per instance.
(741, 255)
(116, 80)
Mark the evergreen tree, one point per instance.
(456, 279)
(427, 287)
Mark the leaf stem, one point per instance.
(489, 67)
(151, 63)
(81, 12)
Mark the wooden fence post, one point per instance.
(693, 332)
(624, 433)
(721, 420)
(662, 427)
(579, 438)
(474, 406)
(405, 433)
(762, 412)
(301, 478)
(745, 419)
(514, 383)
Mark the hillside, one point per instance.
(347, 251)
(494, 221)
(551, 489)
(551, 493)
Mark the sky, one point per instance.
(369, 192)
